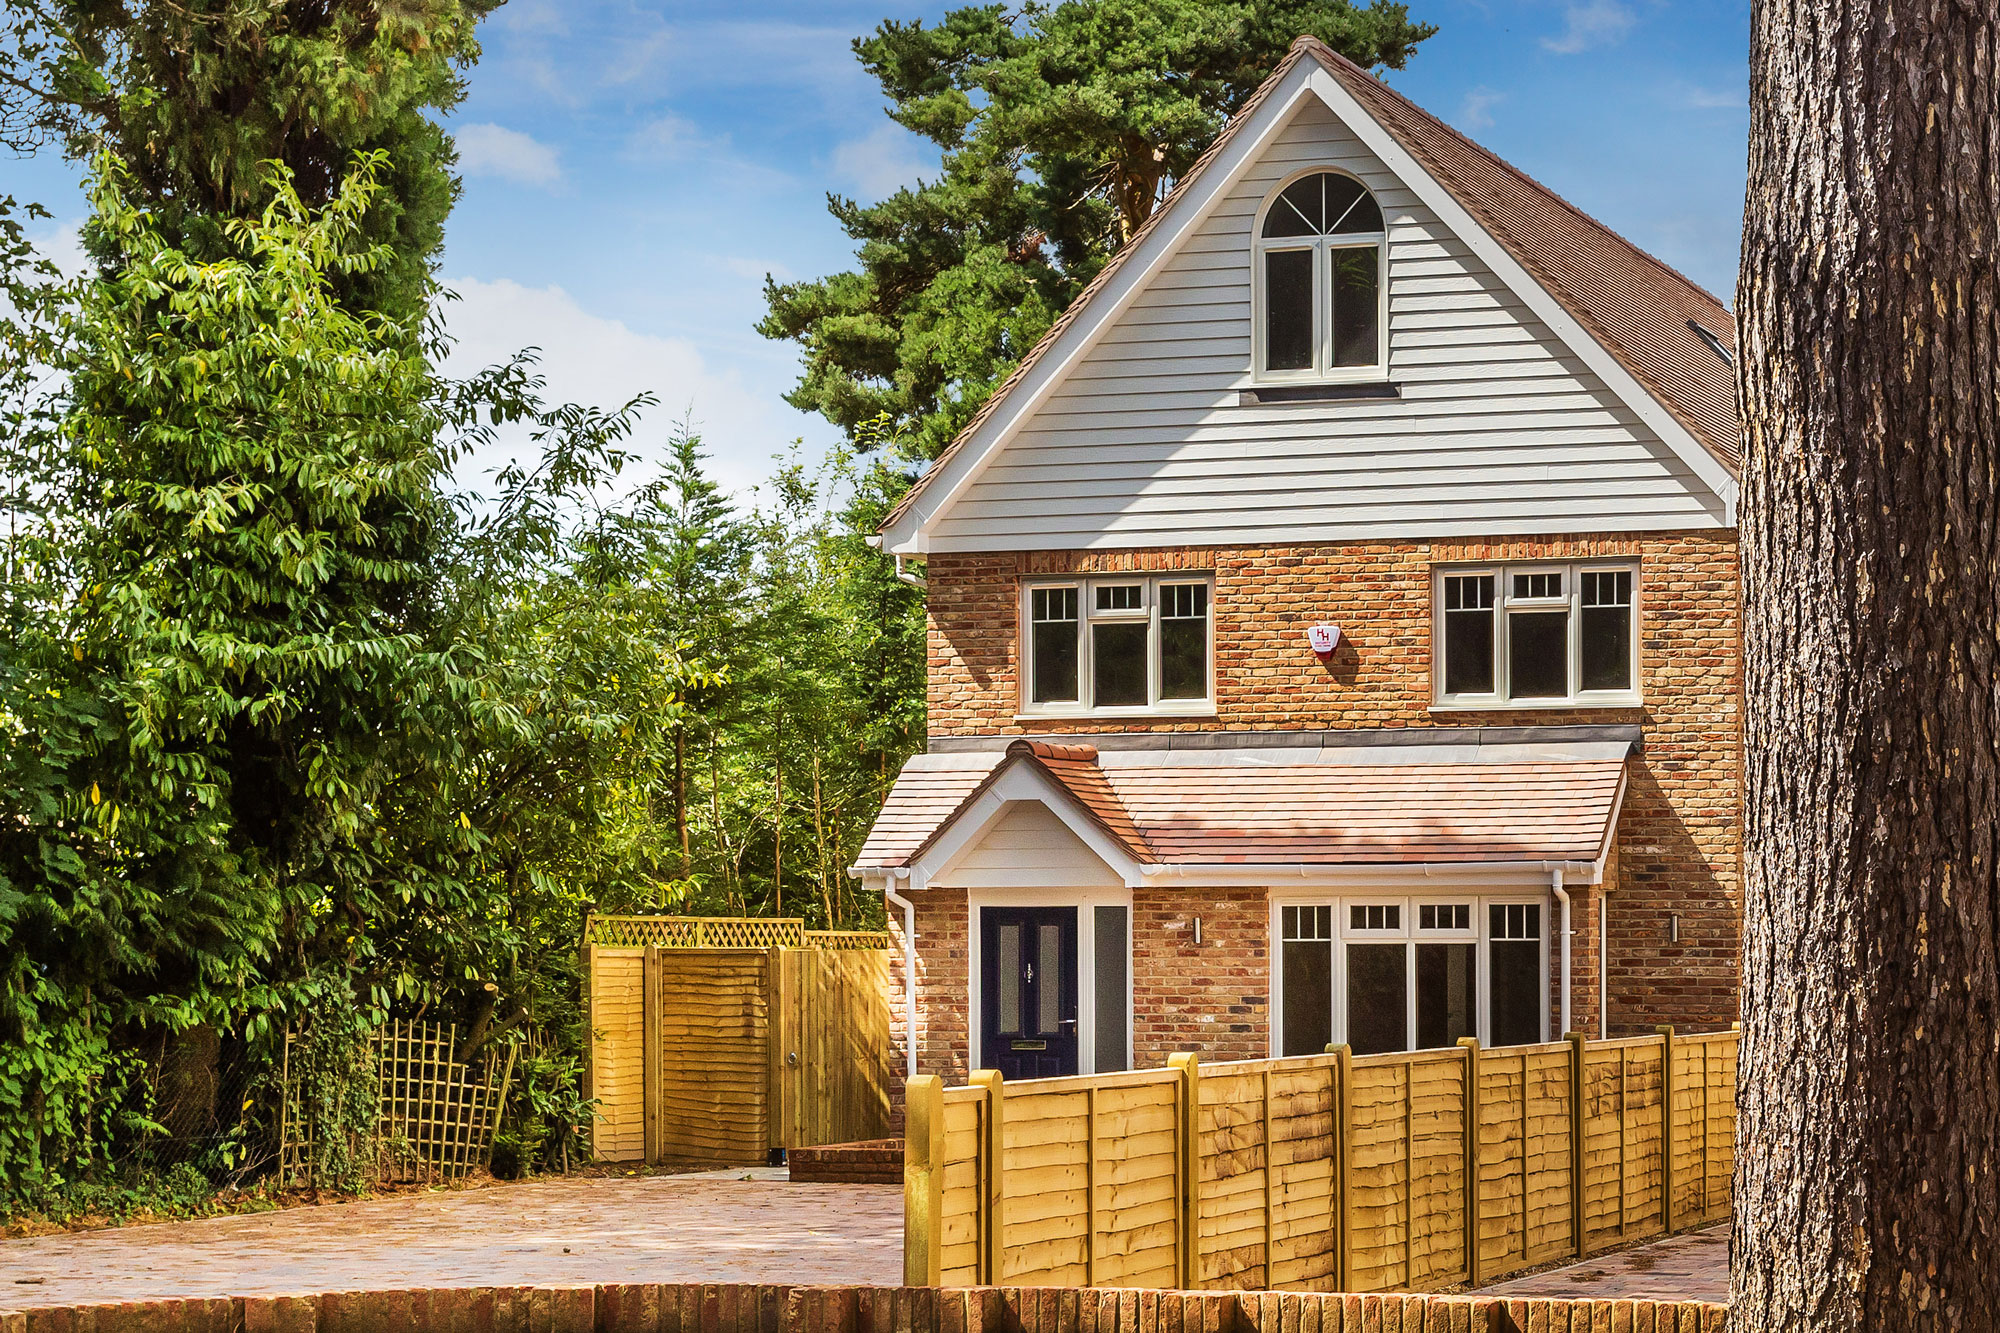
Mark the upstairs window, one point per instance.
(1319, 255)
(1536, 635)
(1133, 643)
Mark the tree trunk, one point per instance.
(681, 798)
(1868, 1167)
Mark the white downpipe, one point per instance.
(1604, 962)
(896, 899)
(1562, 896)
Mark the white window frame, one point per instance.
(1088, 617)
(1322, 370)
(1504, 602)
(1410, 935)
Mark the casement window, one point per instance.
(1537, 635)
(1320, 283)
(1118, 643)
(1401, 974)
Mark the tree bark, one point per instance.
(1868, 1166)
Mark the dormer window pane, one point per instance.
(1288, 314)
(1357, 306)
(1053, 629)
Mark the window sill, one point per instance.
(1266, 394)
(1147, 715)
(1536, 705)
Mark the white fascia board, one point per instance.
(1523, 284)
(910, 535)
(1022, 782)
(1280, 877)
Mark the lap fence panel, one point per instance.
(617, 1056)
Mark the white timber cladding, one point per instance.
(1499, 427)
(1027, 846)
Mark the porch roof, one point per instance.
(1393, 804)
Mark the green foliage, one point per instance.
(194, 97)
(1061, 127)
(328, 1089)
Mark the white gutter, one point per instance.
(1584, 872)
(909, 962)
(1562, 896)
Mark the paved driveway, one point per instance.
(1693, 1266)
(650, 1229)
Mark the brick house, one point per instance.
(1333, 628)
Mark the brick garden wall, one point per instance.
(748, 1309)
(1677, 844)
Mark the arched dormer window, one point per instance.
(1319, 282)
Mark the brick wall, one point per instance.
(943, 955)
(1678, 836)
(728, 1308)
(1211, 998)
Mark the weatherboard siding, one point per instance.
(1500, 429)
(1028, 845)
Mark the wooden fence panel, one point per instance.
(1323, 1172)
(962, 1216)
(1268, 1162)
(841, 1016)
(714, 1044)
(1622, 1142)
(1137, 1143)
(617, 1055)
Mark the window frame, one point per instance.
(1322, 370)
(1088, 617)
(1477, 933)
(1504, 603)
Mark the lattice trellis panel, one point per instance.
(435, 1116)
(696, 932)
(847, 939)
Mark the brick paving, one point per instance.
(648, 1229)
(1694, 1267)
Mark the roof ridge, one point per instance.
(1321, 49)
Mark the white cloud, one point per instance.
(494, 150)
(1476, 111)
(883, 161)
(589, 359)
(1592, 23)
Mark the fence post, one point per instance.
(1471, 1048)
(649, 1054)
(1343, 1146)
(1577, 1118)
(923, 1181)
(1666, 1031)
(993, 1199)
(1189, 1117)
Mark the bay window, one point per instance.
(1402, 974)
(1118, 643)
(1536, 635)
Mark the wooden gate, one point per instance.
(717, 1041)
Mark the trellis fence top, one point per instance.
(722, 932)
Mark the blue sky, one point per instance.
(633, 169)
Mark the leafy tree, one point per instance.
(193, 97)
(1061, 127)
(220, 662)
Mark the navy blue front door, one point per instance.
(1027, 994)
